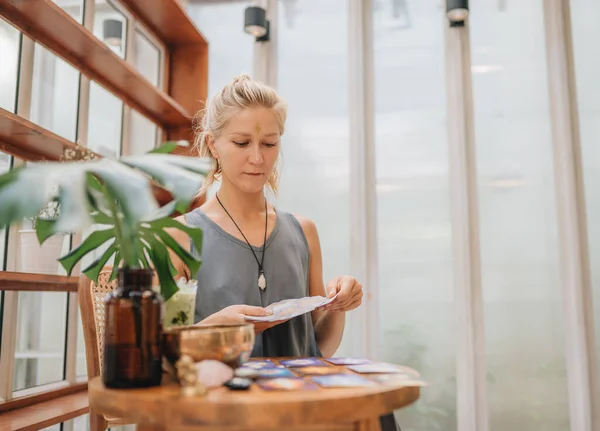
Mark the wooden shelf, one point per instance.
(25, 282)
(28, 141)
(48, 24)
(168, 20)
(40, 394)
(46, 413)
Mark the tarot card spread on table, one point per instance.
(381, 368)
(268, 373)
(348, 361)
(303, 362)
(318, 371)
(286, 384)
(342, 381)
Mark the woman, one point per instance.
(254, 255)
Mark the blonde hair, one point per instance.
(241, 93)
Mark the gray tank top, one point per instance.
(229, 276)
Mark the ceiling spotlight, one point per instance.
(457, 11)
(255, 22)
(112, 32)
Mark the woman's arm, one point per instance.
(329, 325)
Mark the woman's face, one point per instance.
(248, 148)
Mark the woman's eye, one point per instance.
(269, 145)
(240, 144)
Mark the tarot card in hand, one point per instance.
(348, 361)
(342, 381)
(290, 308)
(286, 384)
(303, 362)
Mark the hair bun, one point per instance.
(241, 78)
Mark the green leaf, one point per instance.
(93, 271)
(115, 271)
(44, 229)
(142, 255)
(190, 261)
(95, 240)
(101, 218)
(164, 211)
(166, 147)
(162, 265)
(23, 192)
(194, 233)
(130, 189)
(182, 183)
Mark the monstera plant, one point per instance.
(116, 195)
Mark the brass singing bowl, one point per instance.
(231, 344)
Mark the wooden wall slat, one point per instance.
(28, 141)
(22, 281)
(48, 24)
(50, 392)
(168, 20)
(46, 414)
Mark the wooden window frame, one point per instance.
(170, 105)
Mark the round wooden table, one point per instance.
(331, 409)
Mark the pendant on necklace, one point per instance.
(262, 281)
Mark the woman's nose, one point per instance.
(256, 154)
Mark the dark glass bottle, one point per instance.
(133, 328)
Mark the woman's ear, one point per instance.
(211, 146)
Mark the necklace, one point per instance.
(262, 281)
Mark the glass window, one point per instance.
(40, 348)
(315, 146)
(147, 58)
(54, 94)
(519, 252)
(413, 207)
(104, 122)
(585, 15)
(73, 8)
(231, 49)
(142, 133)
(110, 26)
(9, 72)
(4, 168)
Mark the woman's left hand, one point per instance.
(349, 294)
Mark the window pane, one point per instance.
(585, 15)
(4, 168)
(142, 133)
(231, 49)
(73, 8)
(104, 122)
(147, 58)
(315, 146)
(521, 287)
(110, 26)
(54, 94)
(9, 53)
(413, 207)
(40, 349)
